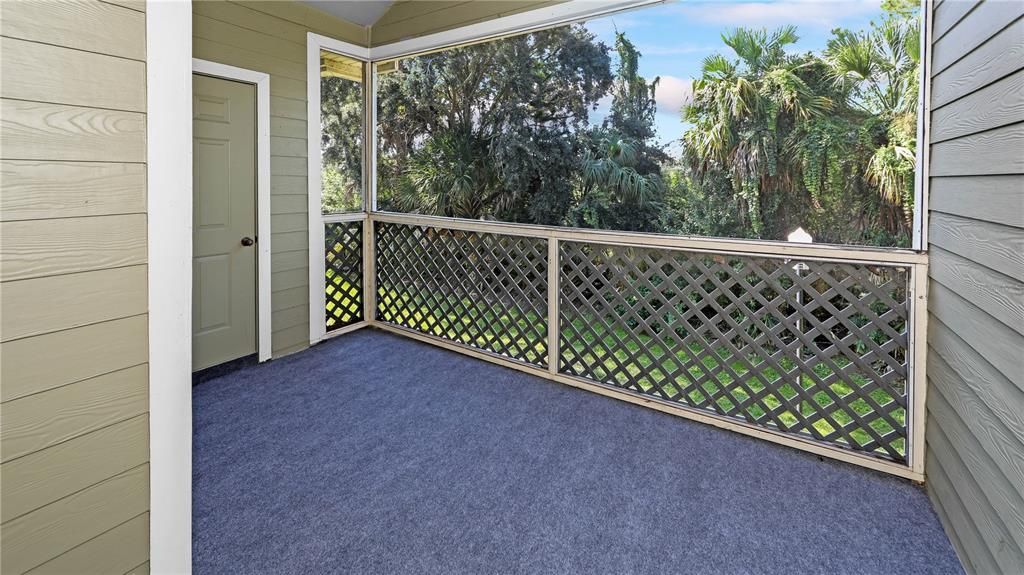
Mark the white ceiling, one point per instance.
(362, 12)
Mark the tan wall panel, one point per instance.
(80, 354)
(37, 479)
(49, 531)
(116, 551)
(38, 248)
(229, 34)
(36, 190)
(74, 432)
(139, 5)
(43, 305)
(292, 317)
(45, 419)
(411, 19)
(285, 261)
(86, 25)
(64, 76)
(270, 37)
(312, 19)
(34, 131)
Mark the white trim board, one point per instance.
(564, 13)
(922, 182)
(317, 298)
(263, 232)
(169, 247)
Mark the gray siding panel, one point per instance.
(983, 22)
(993, 106)
(975, 456)
(994, 59)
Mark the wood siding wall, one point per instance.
(74, 397)
(411, 18)
(270, 37)
(975, 456)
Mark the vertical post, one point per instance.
(554, 272)
(169, 252)
(369, 271)
(317, 265)
(918, 377)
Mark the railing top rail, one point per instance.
(345, 217)
(760, 248)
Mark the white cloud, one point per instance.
(672, 93)
(819, 13)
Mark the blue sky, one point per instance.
(674, 38)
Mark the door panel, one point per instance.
(224, 212)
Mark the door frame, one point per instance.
(262, 82)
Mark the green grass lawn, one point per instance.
(693, 373)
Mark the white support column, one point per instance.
(169, 208)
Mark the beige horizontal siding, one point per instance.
(119, 550)
(975, 431)
(42, 131)
(72, 466)
(66, 76)
(74, 423)
(99, 27)
(270, 37)
(50, 531)
(48, 304)
(41, 248)
(85, 352)
(39, 190)
(45, 419)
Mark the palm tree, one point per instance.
(612, 168)
(880, 68)
(741, 110)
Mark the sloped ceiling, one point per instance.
(362, 12)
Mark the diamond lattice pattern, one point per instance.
(488, 291)
(813, 348)
(344, 273)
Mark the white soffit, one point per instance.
(362, 12)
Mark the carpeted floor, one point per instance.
(373, 453)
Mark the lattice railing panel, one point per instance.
(344, 273)
(813, 348)
(488, 291)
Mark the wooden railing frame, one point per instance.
(913, 469)
(768, 249)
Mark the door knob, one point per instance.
(247, 241)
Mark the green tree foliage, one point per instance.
(620, 183)
(341, 104)
(491, 130)
(880, 68)
(776, 138)
(826, 142)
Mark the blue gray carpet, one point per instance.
(373, 453)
